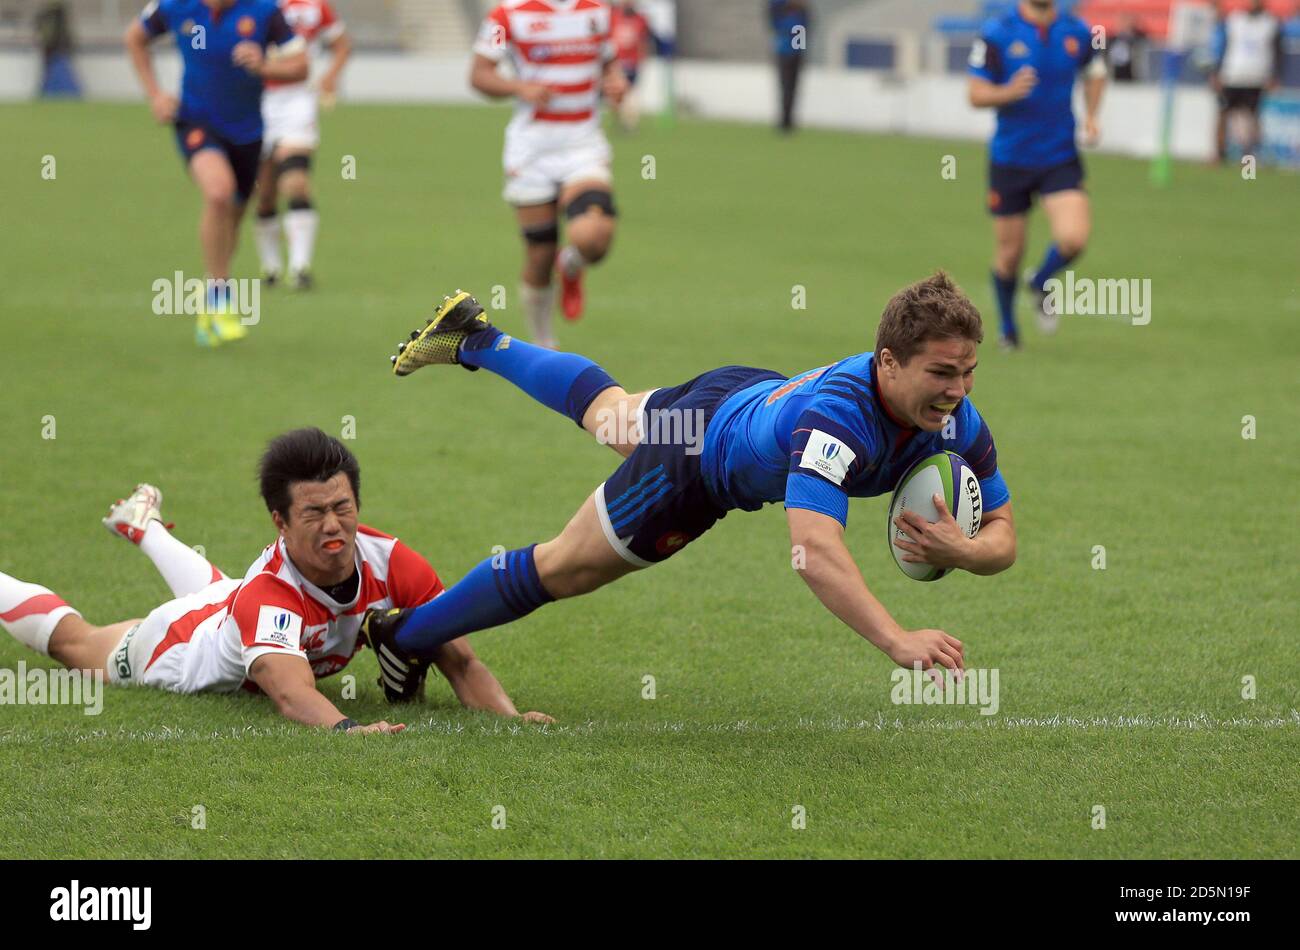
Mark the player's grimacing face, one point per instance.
(930, 386)
(321, 530)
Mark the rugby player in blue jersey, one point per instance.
(228, 47)
(811, 441)
(1024, 65)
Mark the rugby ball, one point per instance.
(946, 474)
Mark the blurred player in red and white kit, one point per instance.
(296, 615)
(289, 113)
(556, 156)
(631, 34)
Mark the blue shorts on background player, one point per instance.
(227, 49)
(1024, 65)
(735, 438)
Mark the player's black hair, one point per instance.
(303, 455)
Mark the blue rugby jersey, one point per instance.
(214, 91)
(1037, 131)
(821, 437)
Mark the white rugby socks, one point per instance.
(539, 306)
(30, 612)
(267, 231)
(300, 226)
(184, 569)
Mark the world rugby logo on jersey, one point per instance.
(827, 456)
(277, 627)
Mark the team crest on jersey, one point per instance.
(246, 26)
(1017, 49)
(194, 138)
(187, 28)
(1072, 45)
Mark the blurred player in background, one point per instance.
(1024, 65)
(228, 48)
(556, 157)
(289, 111)
(294, 618)
(1248, 44)
(631, 34)
(789, 20)
(738, 438)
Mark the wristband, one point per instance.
(344, 724)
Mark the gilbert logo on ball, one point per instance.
(946, 474)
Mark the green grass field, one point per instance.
(1119, 687)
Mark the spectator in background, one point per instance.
(57, 77)
(1248, 60)
(631, 35)
(1128, 51)
(789, 19)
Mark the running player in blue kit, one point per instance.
(812, 441)
(228, 47)
(1024, 65)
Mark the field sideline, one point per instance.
(1119, 687)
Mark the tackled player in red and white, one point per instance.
(556, 157)
(293, 618)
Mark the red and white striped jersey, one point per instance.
(563, 44)
(274, 609)
(313, 20)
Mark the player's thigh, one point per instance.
(580, 559)
(536, 215)
(1069, 217)
(212, 172)
(82, 646)
(614, 418)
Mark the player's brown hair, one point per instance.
(930, 309)
(303, 455)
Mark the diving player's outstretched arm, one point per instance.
(829, 570)
(290, 683)
(474, 684)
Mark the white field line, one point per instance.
(1197, 722)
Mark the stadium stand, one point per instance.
(375, 24)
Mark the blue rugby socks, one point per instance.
(1053, 261)
(1005, 289)
(500, 589)
(565, 382)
